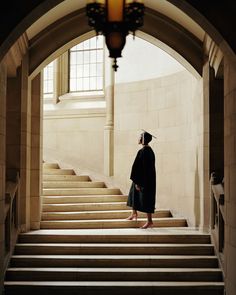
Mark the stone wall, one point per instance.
(36, 153)
(230, 175)
(3, 77)
(75, 137)
(171, 108)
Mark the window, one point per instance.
(48, 78)
(86, 65)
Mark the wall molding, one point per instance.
(74, 113)
(15, 55)
(215, 55)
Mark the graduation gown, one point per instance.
(143, 173)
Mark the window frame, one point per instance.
(48, 95)
(88, 92)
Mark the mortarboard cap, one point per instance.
(146, 137)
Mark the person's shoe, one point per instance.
(148, 224)
(132, 217)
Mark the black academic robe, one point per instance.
(143, 174)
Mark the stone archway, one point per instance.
(34, 13)
(229, 93)
(67, 29)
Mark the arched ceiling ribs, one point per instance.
(55, 36)
(70, 27)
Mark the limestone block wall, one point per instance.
(171, 108)
(75, 137)
(13, 120)
(230, 175)
(25, 170)
(36, 153)
(3, 77)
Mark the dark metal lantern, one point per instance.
(115, 19)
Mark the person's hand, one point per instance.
(137, 187)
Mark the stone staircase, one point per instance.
(85, 246)
(76, 202)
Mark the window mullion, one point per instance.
(88, 62)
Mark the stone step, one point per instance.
(114, 274)
(86, 246)
(50, 177)
(117, 236)
(80, 191)
(95, 215)
(113, 249)
(53, 171)
(72, 184)
(74, 207)
(50, 166)
(115, 288)
(192, 261)
(84, 199)
(111, 223)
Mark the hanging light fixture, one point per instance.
(115, 19)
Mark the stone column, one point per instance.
(216, 125)
(204, 152)
(25, 147)
(3, 83)
(109, 130)
(36, 153)
(230, 173)
(13, 125)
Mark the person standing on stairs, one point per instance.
(142, 194)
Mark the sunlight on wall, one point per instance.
(154, 92)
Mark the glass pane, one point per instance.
(99, 70)
(86, 44)
(100, 56)
(50, 72)
(79, 71)
(73, 58)
(72, 71)
(86, 83)
(93, 43)
(48, 78)
(79, 84)
(45, 74)
(72, 84)
(50, 87)
(93, 70)
(86, 70)
(86, 65)
(80, 57)
(93, 56)
(86, 57)
(44, 87)
(93, 83)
